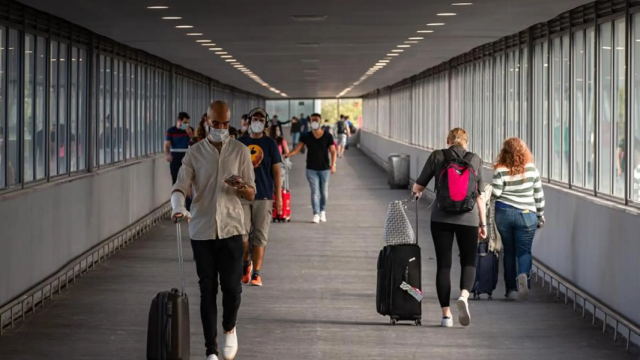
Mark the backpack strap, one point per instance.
(468, 156)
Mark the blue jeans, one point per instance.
(295, 139)
(517, 228)
(319, 183)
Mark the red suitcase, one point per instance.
(285, 216)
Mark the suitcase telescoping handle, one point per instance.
(180, 258)
(415, 198)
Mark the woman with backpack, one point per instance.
(519, 209)
(458, 176)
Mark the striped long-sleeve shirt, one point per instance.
(522, 191)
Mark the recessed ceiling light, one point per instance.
(447, 14)
(157, 7)
(404, 46)
(397, 50)
(184, 26)
(381, 64)
(203, 41)
(172, 18)
(410, 42)
(461, 4)
(308, 17)
(238, 66)
(221, 53)
(226, 56)
(384, 61)
(393, 54)
(416, 38)
(425, 31)
(230, 60)
(215, 49)
(246, 70)
(194, 34)
(210, 44)
(283, 94)
(435, 24)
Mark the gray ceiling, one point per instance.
(262, 36)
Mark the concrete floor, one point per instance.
(318, 301)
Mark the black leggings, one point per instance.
(467, 237)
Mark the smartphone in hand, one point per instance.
(234, 181)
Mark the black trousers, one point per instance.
(467, 238)
(174, 166)
(218, 258)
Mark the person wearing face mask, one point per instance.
(216, 223)
(319, 167)
(244, 126)
(258, 214)
(176, 143)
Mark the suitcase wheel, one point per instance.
(289, 220)
(418, 322)
(393, 321)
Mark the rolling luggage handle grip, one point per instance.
(180, 258)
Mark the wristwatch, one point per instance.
(482, 225)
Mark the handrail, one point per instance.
(630, 325)
(77, 266)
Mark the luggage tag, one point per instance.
(415, 292)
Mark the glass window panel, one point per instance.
(606, 110)
(578, 136)
(619, 127)
(13, 104)
(107, 136)
(29, 107)
(635, 116)
(63, 130)
(73, 111)
(515, 131)
(83, 118)
(524, 96)
(556, 110)
(100, 149)
(566, 88)
(499, 87)
(53, 109)
(122, 138)
(3, 134)
(590, 91)
(41, 107)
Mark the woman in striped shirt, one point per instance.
(517, 190)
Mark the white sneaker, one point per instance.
(229, 345)
(446, 322)
(316, 219)
(323, 216)
(212, 357)
(512, 295)
(463, 311)
(523, 287)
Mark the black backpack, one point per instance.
(341, 127)
(457, 183)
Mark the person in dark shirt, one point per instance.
(176, 144)
(258, 213)
(244, 126)
(295, 131)
(319, 168)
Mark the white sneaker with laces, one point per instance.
(523, 287)
(212, 357)
(229, 345)
(463, 311)
(447, 321)
(316, 219)
(323, 216)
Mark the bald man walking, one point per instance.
(216, 225)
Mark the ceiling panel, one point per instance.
(262, 36)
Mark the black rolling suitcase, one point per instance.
(399, 285)
(168, 332)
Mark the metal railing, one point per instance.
(28, 302)
(608, 313)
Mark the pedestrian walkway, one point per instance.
(318, 299)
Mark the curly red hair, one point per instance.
(514, 156)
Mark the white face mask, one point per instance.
(218, 135)
(257, 127)
(315, 125)
(244, 127)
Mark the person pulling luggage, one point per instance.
(458, 187)
(225, 175)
